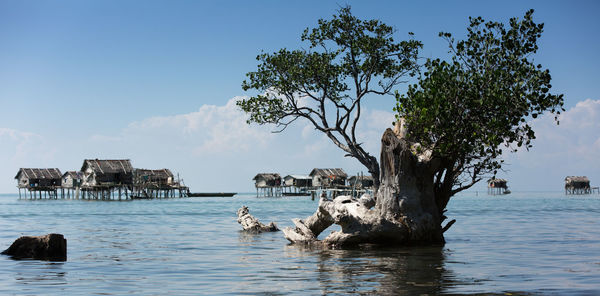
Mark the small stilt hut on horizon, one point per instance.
(268, 184)
(297, 185)
(159, 183)
(577, 185)
(42, 183)
(361, 182)
(497, 186)
(328, 178)
(71, 182)
(105, 178)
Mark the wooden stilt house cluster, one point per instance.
(102, 179)
(333, 180)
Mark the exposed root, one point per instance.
(251, 224)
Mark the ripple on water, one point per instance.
(534, 243)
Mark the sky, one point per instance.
(157, 81)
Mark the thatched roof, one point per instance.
(267, 176)
(39, 173)
(361, 178)
(577, 179)
(108, 166)
(72, 174)
(161, 174)
(297, 177)
(497, 181)
(329, 173)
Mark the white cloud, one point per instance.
(570, 148)
(22, 149)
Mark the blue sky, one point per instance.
(154, 81)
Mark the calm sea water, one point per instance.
(543, 243)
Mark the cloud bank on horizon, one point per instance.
(214, 149)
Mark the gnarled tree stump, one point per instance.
(404, 212)
(251, 224)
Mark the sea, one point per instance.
(529, 243)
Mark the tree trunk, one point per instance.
(405, 211)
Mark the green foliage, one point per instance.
(345, 56)
(467, 108)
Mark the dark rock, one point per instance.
(51, 247)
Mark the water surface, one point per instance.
(538, 243)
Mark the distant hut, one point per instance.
(161, 177)
(105, 178)
(156, 184)
(71, 182)
(39, 181)
(328, 178)
(497, 186)
(267, 184)
(98, 172)
(71, 179)
(296, 185)
(361, 181)
(299, 181)
(577, 185)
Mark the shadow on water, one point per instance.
(41, 273)
(397, 271)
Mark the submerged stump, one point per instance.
(51, 247)
(251, 224)
(404, 211)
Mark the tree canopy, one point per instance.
(470, 109)
(345, 60)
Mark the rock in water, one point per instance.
(51, 247)
(251, 224)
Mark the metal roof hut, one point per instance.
(297, 181)
(577, 185)
(361, 181)
(98, 172)
(328, 178)
(296, 185)
(44, 180)
(497, 186)
(267, 184)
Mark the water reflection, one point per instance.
(40, 273)
(404, 271)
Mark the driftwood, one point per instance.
(403, 212)
(251, 224)
(46, 247)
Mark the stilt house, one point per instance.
(328, 177)
(497, 186)
(38, 178)
(71, 179)
(160, 177)
(297, 181)
(98, 172)
(577, 185)
(268, 184)
(267, 180)
(361, 181)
